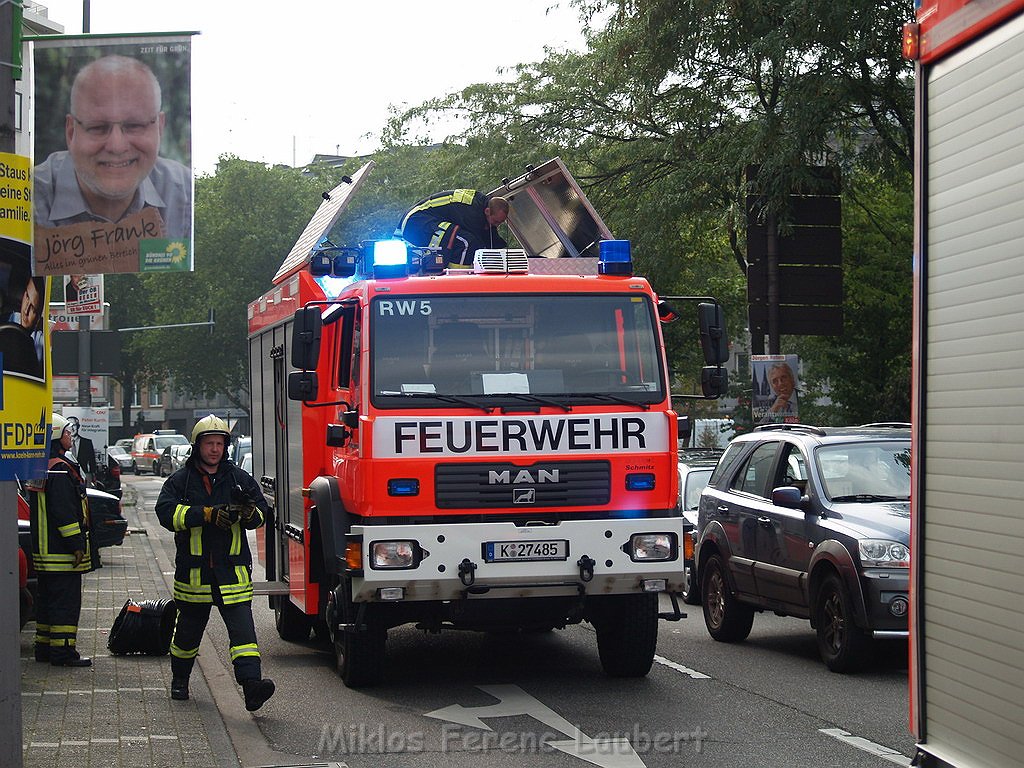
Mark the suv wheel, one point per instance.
(841, 642)
(728, 620)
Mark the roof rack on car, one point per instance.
(889, 424)
(792, 428)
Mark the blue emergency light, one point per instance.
(614, 257)
(390, 258)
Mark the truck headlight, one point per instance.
(880, 553)
(648, 547)
(394, 555)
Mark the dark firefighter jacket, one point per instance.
(441, 219)
(60, 519)
(208, 555)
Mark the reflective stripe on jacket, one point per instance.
(60, 520)
(208, 556)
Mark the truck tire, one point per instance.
(842, 644)
(292, 624)
(727, 619)
(359, 655)
(627, 633)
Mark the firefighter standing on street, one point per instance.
(61, 551)
(210, 504)
(459, 221)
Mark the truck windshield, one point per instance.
(556, 348)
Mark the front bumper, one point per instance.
(596, 563)
(886, 595)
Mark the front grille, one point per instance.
(522, 486)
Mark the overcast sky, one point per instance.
(281, 82)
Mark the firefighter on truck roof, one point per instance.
(209, 504)
(459, 221)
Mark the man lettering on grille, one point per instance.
(213, 565)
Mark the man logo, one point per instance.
(524, 496)
(504, 477)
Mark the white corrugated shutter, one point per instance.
(973, 516)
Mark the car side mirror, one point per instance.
(787, 496)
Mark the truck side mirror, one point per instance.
(714, 381)
(302, 385)
(684, 429)
(714, 341)
(305, 340)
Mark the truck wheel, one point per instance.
(292, 624)
(728, 620)
(360, 655)
(627, 633)
(842, 644)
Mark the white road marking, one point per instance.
(868, 746)
(680, 668)
(512, 700)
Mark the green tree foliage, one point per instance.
(662, 114)
(247, 218)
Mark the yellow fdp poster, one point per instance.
(25, 394)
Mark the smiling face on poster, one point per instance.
(775, 389)
(113, 188)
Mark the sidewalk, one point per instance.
(119, 711)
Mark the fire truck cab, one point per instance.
(489, 449)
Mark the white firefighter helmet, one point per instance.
(58, 426)
(210, 425)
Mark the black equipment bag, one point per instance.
(143, 627)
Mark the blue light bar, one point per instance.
(614, 258)
(390, 253)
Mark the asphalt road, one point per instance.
(494, 700)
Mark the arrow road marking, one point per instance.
(513, 700)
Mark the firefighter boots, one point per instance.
(257, 692)
(42, 652)
(179, 688)
(68, 657)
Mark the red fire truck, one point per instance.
(490, 448)
(967, 527)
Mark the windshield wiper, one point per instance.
(609, 398)
(867, 498)
(532, 399)
(443, 398)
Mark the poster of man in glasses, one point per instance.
(775, 386)
(113, 183)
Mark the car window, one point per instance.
(696, 480)
(865, 470)
(727, 462)
(756, 473)
(792, 468)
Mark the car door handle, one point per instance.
(724, 510)
(764, 522)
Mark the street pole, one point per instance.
(11, 734)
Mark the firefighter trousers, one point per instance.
(58, 606)
(189, 626)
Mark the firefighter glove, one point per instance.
(79, 557)
(219, 515)
(247, 512)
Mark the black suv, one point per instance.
(811, 522)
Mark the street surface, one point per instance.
(495, 700)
